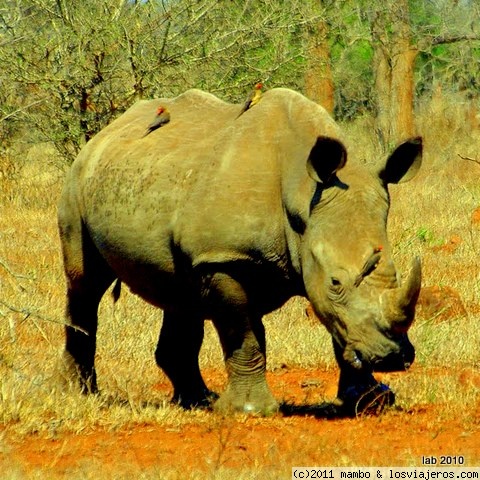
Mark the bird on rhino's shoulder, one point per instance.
(253, 98)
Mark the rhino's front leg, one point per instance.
(242, 335)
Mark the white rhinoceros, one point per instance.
(225, 217)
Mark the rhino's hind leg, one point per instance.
(358, 391)
(88, 277)
(177, 352)
(242, 335)
(81, 332)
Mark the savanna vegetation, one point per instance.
(386, 70)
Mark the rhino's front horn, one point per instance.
(399, 303)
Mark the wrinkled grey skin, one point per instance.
(214, 217)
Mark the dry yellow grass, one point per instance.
(425, 214)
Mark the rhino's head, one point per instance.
(347, 265)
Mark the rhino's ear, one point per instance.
(326, 157)
(403, 164)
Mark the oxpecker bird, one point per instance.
(162, 117)
(253, 98)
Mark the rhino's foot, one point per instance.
(364, 399)
(253, 402)
(76, 378)
(204, 399)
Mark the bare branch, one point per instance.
(469, 158)
(12, 41)
(12, 114)
(444, 40)
(13, 274)
(31, 313)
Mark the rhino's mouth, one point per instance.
(393, 362)
(397, 361)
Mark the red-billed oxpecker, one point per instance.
(252, 99)
(162, 117)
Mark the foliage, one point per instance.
(89, 61)
(67, 68)
(447, 36)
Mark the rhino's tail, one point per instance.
(117, 288)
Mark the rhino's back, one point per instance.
(207, 186)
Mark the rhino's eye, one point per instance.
(336, 289)
(336, 282)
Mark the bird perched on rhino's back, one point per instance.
(253, 98)
(162, 117)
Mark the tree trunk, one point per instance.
(318, 77)
(383, 89)
(403, 90)
(394, 62)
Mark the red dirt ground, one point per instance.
(394, 438)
